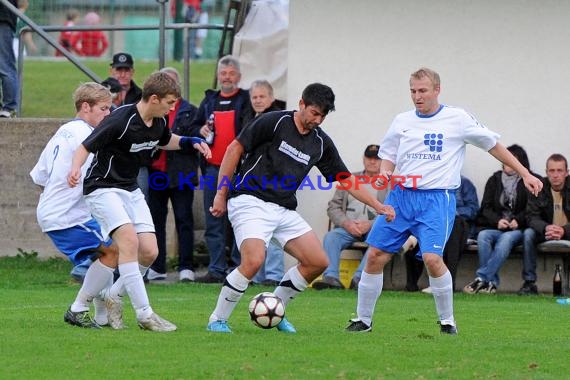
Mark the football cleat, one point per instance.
(219, 326)
(114, 312)
(80, 318)
(356, 325)
(156, 323)
(286, 326)
(447, 328)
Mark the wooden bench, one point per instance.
(550, 248)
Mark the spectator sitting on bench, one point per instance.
(467, 205)
(548, 217)
(501, 221)
(352, 220)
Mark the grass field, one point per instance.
(500, 337)
(48, 85)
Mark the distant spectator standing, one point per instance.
(227, 108)
(66, 36)
(90, 43)
(27, 38)
(195, 13)
(548, 217)
(8, 73)
(174, 164)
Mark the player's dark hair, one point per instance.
(520, 154)
(160, 84)
(319, 95)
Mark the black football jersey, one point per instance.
(121, 144)
(279, 159)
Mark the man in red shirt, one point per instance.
(90, 43)
(225, 108)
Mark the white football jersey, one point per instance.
(431, 148)
(61, 206)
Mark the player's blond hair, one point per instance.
(424, 72)
(90, 93)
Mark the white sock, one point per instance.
(234, 286)
(117, 290)
(99, 303)
(369, 290)
(291, 285)
(95, 280)
(442, 289)
(143, 269)
(134, 286)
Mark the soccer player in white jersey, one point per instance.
(122, 144)
(427, 147)
(62, 212)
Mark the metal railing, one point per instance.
(186, 27)
(239, 7)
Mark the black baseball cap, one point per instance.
(122, 60)
(371, 151)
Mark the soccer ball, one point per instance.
(266, 310)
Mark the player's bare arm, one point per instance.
(387, 168)
(229, 164)
(364, 196)
(79, 158)
(500, 152)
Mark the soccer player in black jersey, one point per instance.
(121, 144)
(281, 148)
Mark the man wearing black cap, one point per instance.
(122, 69)
(352, 220)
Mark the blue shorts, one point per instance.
(79, 242)
(426, 214)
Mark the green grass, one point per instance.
(500, 337)
(48, 85)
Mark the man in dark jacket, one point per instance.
(501, 221)
(548, 217)
(167, 174)
(123, 69)
(222, 112)
(8, 73)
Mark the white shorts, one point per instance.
(253, 218)
(113, 207)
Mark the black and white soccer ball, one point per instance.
(266, 310)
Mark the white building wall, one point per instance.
(505, 61)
